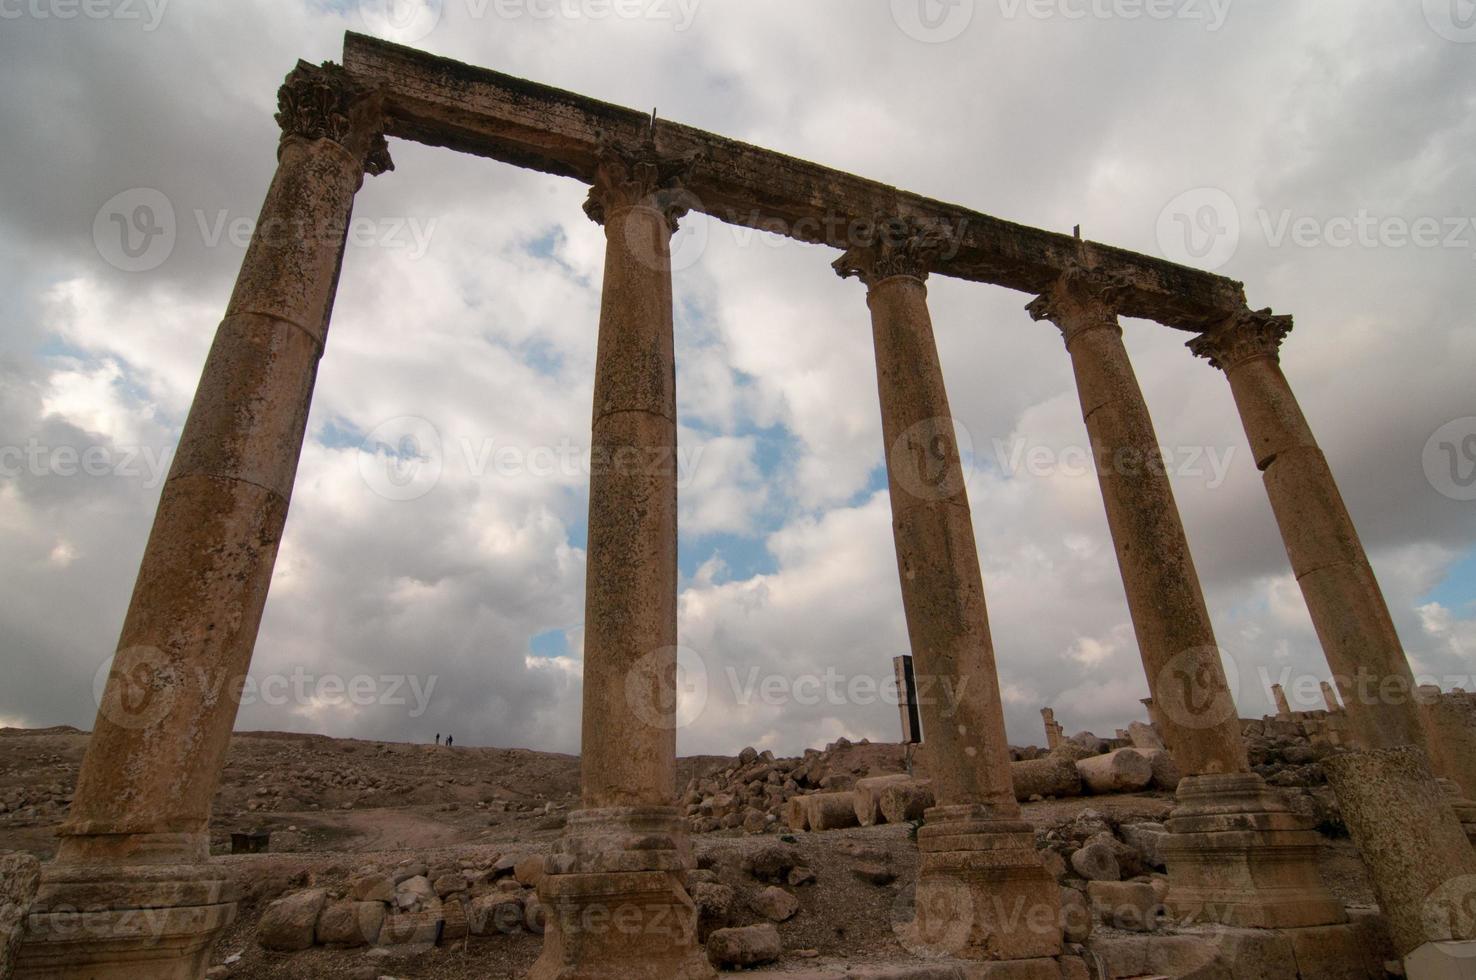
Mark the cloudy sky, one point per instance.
(1327, 161)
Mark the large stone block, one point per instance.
(20, 876)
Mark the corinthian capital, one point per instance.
(326, 102)
(891, 246)
(639, 175)
(1246, 335)
(1080, 300)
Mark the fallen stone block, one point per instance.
(831, 811)
(1122, 771)
(868, 797)
(1052, 776)
(20, 877)
(906, 802)
(776, 904)
(350, 924)
(744, 947)
(412, 928)
(289, 923)
(496, 914)
(1128, 905)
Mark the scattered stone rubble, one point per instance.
(842, 787)
(409, 904)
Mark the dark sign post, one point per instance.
(907, 700)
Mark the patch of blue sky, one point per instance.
(1457, 591)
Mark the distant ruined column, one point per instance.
(1237, 854)
(1283, 708)
(137, 833)
(982, 891)
(1053, 729)
(625, 854)
(1397, 813)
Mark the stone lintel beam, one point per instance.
(441, 102)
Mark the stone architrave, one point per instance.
(615, 893)
(136, 836)
(983, 891)
(1237, 855)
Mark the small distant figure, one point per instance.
(438, 739)
(449, 740)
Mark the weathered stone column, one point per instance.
(982, 890)
(1413, 845)
(1053, 729)
(1283, 709)
(136, 836)
(616, 892)
(1237, 854)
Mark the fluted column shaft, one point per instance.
(154, 760)
(1176, 638)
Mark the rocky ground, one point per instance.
(400, 828)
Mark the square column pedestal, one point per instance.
(983, 892)
(1237, 856)
(616, 900)
(115, 922)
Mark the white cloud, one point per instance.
(489, 337)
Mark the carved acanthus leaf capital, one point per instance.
(327, 102)
(641, 176)
(1246, 335)
(1080, 299)
(892, 246)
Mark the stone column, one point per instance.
(137, 833)
(1450, 729)
(1330, 699)
(982, 891)
(1283, 709)
(615, 892)
(1237, 854)
(1412, 845)
(1053, 729)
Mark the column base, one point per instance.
(616, 900)
(1237, 856)
(983, 892)
(111, 922)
